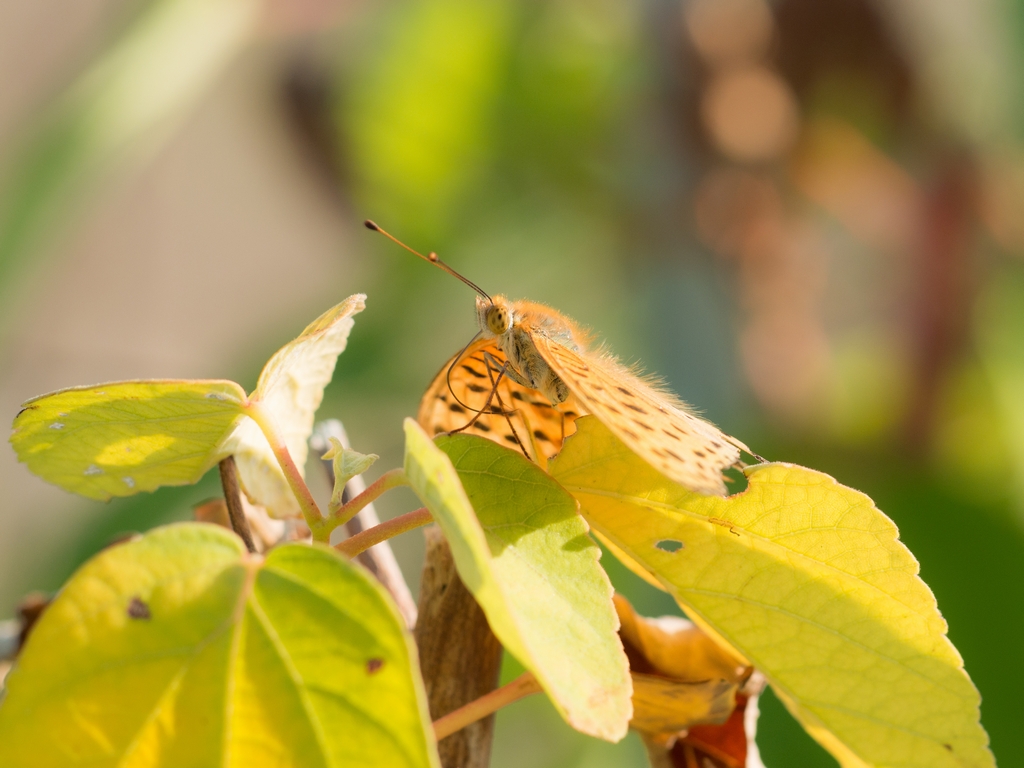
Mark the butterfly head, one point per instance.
(494, 316)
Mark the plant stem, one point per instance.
(310, 510)
(386, 530)
(524, 685)
(460, 658)
(233, 499)
(391, 479)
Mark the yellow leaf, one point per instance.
(807, 580)
(121, 438)
(681, 677)
(124, 437)
(290, 389)
(180, 649)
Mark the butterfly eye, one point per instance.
(497, 320)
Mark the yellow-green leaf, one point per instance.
(347, 464)
(808, 580)
(523, 551)
(289, 390)
(121, 438)
(179, 649)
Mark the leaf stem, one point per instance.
(388, 529)
(310, 511)
(233, 499)
(524, 685)
(393, 478)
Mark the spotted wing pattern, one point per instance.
(655, 425)
(532, 421)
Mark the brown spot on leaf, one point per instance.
(138, 609)
(374, 665)
(724, 524)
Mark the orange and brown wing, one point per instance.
(452, 400)
(654, 425)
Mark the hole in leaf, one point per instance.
(669, 545)
(735, 481)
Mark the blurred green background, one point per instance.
(805, 215)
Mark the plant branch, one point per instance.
(524, 685)
(310, 510)
(391, 479)
(386, 530)
(233, 499)
(460, 658)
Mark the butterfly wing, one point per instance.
(654, 425)
(453, 399)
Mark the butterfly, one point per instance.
(531, 372)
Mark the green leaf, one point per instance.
(180, 649)
(121, 438)
(525, 555)
(290, 389)
(806, 579)
(347, 464)
(124, 437)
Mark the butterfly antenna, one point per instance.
(432, 258)
(448, 375)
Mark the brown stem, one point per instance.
(386, 530)
(233, 499)
(524, 685)
(460, 657)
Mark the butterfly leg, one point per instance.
(487, 403)
(511, 372)
(504, 370)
